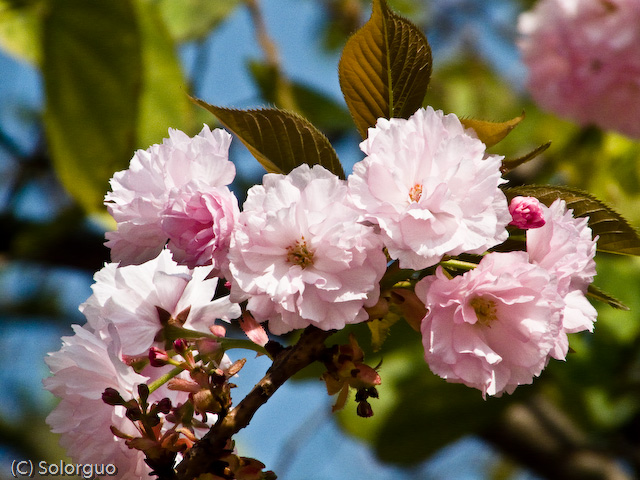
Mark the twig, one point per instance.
(283, 90)
(202, 456)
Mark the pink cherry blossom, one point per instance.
(199, 226)
(564, 246)
(584, 60)
(130, 297)
(160, 181)
(299, 256)
(494, 327)
(526, 213)
(430, 187)
(82, 369)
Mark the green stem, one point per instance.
(459, 264)
(227, 343)
(158, 382)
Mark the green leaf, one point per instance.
(418, 413)
(91, 68)
(20, 29)
(491, 133)
(615, 233)
(598, 294)
(279, 140)
(163, 101)
(380, 329)
(189, 20)
(509, 164)
(385, 68)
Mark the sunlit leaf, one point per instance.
(615, 233)
(385, 68)
(193, 19)
(279, 140)
(91, 68)
(491, 133)
(509, 164)
(20, 29)
(164, 101)
(380, 329)
(598, 294)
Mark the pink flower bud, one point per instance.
(526, 213)
(157, 357)
(253, 329)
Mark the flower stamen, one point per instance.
(415, 193)
(486, 311)
(300, 254)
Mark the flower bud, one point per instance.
(157, 357)
(110, 396)
(526, 213)
(364, 410)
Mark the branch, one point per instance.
(202, 456)
(539, 436)
(283, 90)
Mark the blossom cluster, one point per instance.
(583, 60)
(310, 249)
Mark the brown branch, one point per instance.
(539, 436)
(202, 456)
(283, 90)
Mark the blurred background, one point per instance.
(83, 83)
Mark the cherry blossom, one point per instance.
(430, 187)
(584, 60)
(199, 226)
(299, 256)
(564, 246)
(159, 182)
(82, 369)
(494, 327)
(137, 299)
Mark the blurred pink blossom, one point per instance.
(584, 60)
(430, 187)
(299, 256)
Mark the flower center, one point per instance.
(300, 254)
(486, 311)
(415, 193)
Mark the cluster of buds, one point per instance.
(208, 384)
(159, 447)
(345, 369)
(231, 466)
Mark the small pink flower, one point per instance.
(584, 60)
(166, 176)
(299, 255)
(253, 329)
(526, 213)
(430, 187)
(494, 327)
(199, 226)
